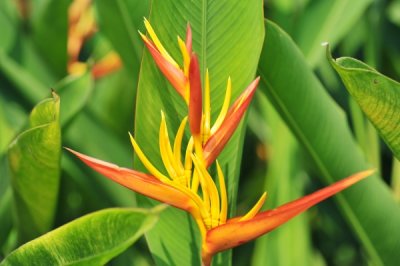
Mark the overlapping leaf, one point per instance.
(321, 127)
(377, 95)
(34, 158)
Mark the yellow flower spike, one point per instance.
(165, 149)
(211, 191)
(207, 109)
(149, 166)
(197, 175)
(185, 56)
(225, 107)
(178, 141)
(188, 161)
(158, 44)
(224, 197)
(256, 208)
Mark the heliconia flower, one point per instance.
(109, 63)
(208, 140)
(81, 26)
(210, 211)
(187, 184)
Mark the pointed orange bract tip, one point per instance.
(139, 182)
(236, 232)
(189, 39)
(174, 75)
(195, 98)
(218, 140)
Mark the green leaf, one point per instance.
(327, 21)
(34, 159)
(93, 239)
(283, 182)
(119, 21)
(320, 125)
(50, 32)
(377, 95)
(227, 48)
(74, 92)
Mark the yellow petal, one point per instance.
(149, 166)
(224, 198)
(256, 208)
(158, 44)
(225, 107)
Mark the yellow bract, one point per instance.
(188, 175)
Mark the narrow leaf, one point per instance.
(327, 21)
(50, 31)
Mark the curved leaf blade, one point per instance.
(377, 95)
(227, 48)
(321, 127)
(34, 160)
(93, 239)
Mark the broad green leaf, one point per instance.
(327, 21)
(34, 159)
(226, 47)
(377, 95)
(284, 182)
(74, 92)
(320, 125)
(119, 21)
(93, 239)
(50, 32)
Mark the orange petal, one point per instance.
(139, 182)
(189, 39)
(236, 232)
(110, 63)
(195, 99)
(174, 75)
(217, 141)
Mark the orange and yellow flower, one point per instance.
(81, 26)
(187, 183)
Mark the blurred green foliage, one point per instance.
(97, 112)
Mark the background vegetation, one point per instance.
(303, 130)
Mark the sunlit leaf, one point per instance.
(93, 239)
(34, 158)
(377, 95)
